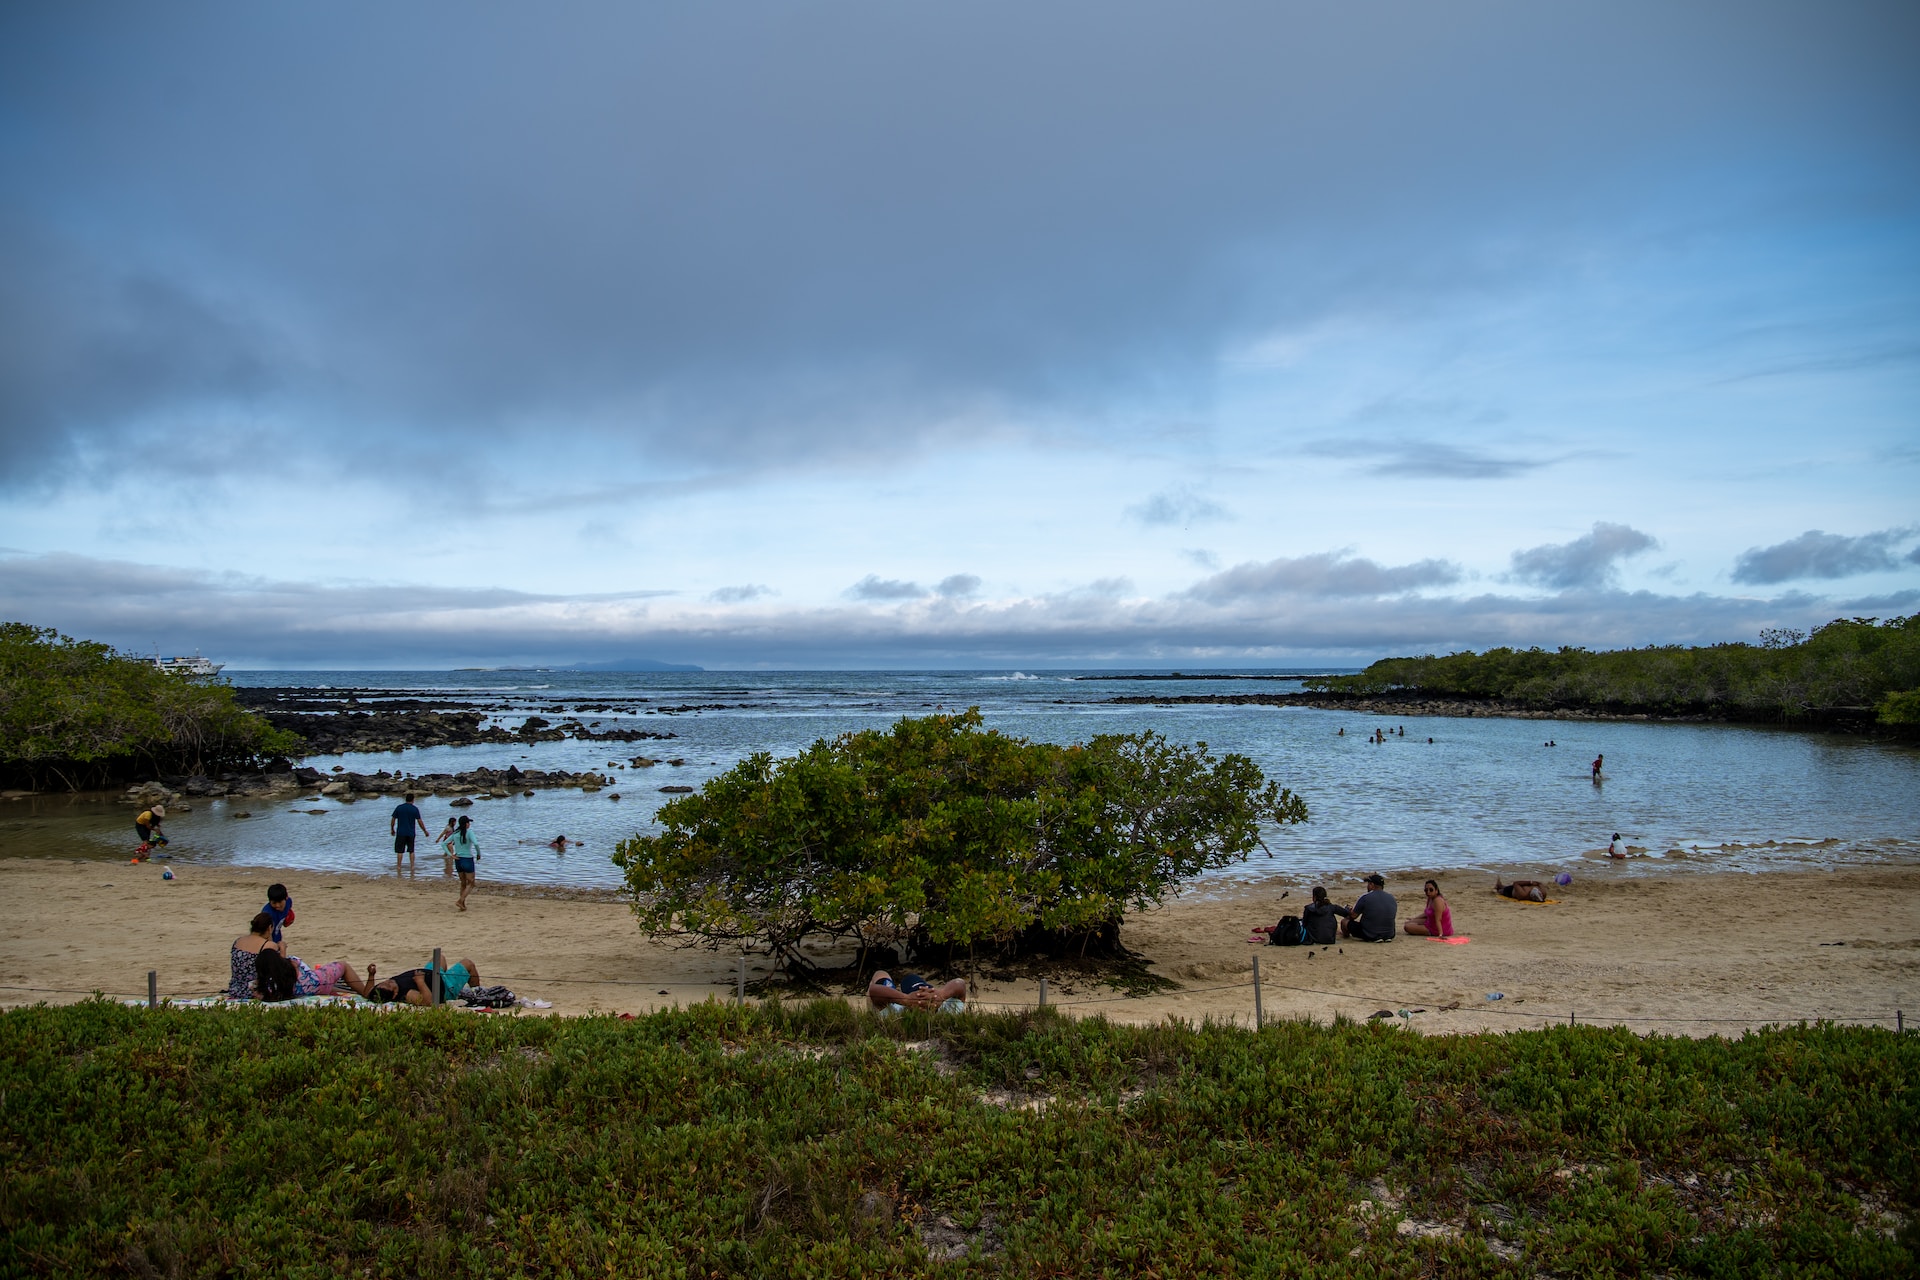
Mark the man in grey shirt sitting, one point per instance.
(1373, 916)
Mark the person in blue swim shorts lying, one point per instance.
(913, 991)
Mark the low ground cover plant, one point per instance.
(815, 1140)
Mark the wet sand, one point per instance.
(1692, 953)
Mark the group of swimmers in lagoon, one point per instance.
(1379, 736)
(261, 967)
(460, 852)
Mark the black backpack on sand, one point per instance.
(1288, 933)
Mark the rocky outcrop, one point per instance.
(495, 784)
(342, 721)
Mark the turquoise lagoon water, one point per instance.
(1485, 793)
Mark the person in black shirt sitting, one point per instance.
(1319, 918)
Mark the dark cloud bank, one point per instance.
(752, 234)
(1317, 607)
(1816, 554)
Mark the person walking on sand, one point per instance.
(465, 852)
(404, 825)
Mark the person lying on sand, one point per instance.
(415, 986)
(1437, 922)
(278, 977)
(1521, 890)
(912, 990)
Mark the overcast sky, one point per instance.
(905, 334)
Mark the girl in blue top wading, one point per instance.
(465, 852)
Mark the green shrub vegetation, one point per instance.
(944, 835)
(77, 713)
(811, 1140)
(1860, 665)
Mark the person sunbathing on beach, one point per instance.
(278, 977)
(1437, 922)
(886, 996)
(1521, 890)
(415, 986)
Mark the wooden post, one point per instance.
(1259, 1019)
(740, 983)
(153, 988)
(1043, 993)
(437, 988)
(1570, 1019)
(1899, 1021)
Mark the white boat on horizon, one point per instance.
(194, 666)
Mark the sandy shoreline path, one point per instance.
(1739, 949)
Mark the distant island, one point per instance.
(618, 664)
(631, 664)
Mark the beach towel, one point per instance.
(1457, 940)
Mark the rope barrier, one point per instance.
(716, 988)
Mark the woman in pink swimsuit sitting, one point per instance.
(1438, 920)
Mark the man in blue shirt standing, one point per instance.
(403, 826)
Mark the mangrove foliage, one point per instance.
(74, 713)
(943, 836)
(1851, 668)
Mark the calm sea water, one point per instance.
(1482, 794)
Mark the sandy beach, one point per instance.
(1693, 953)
